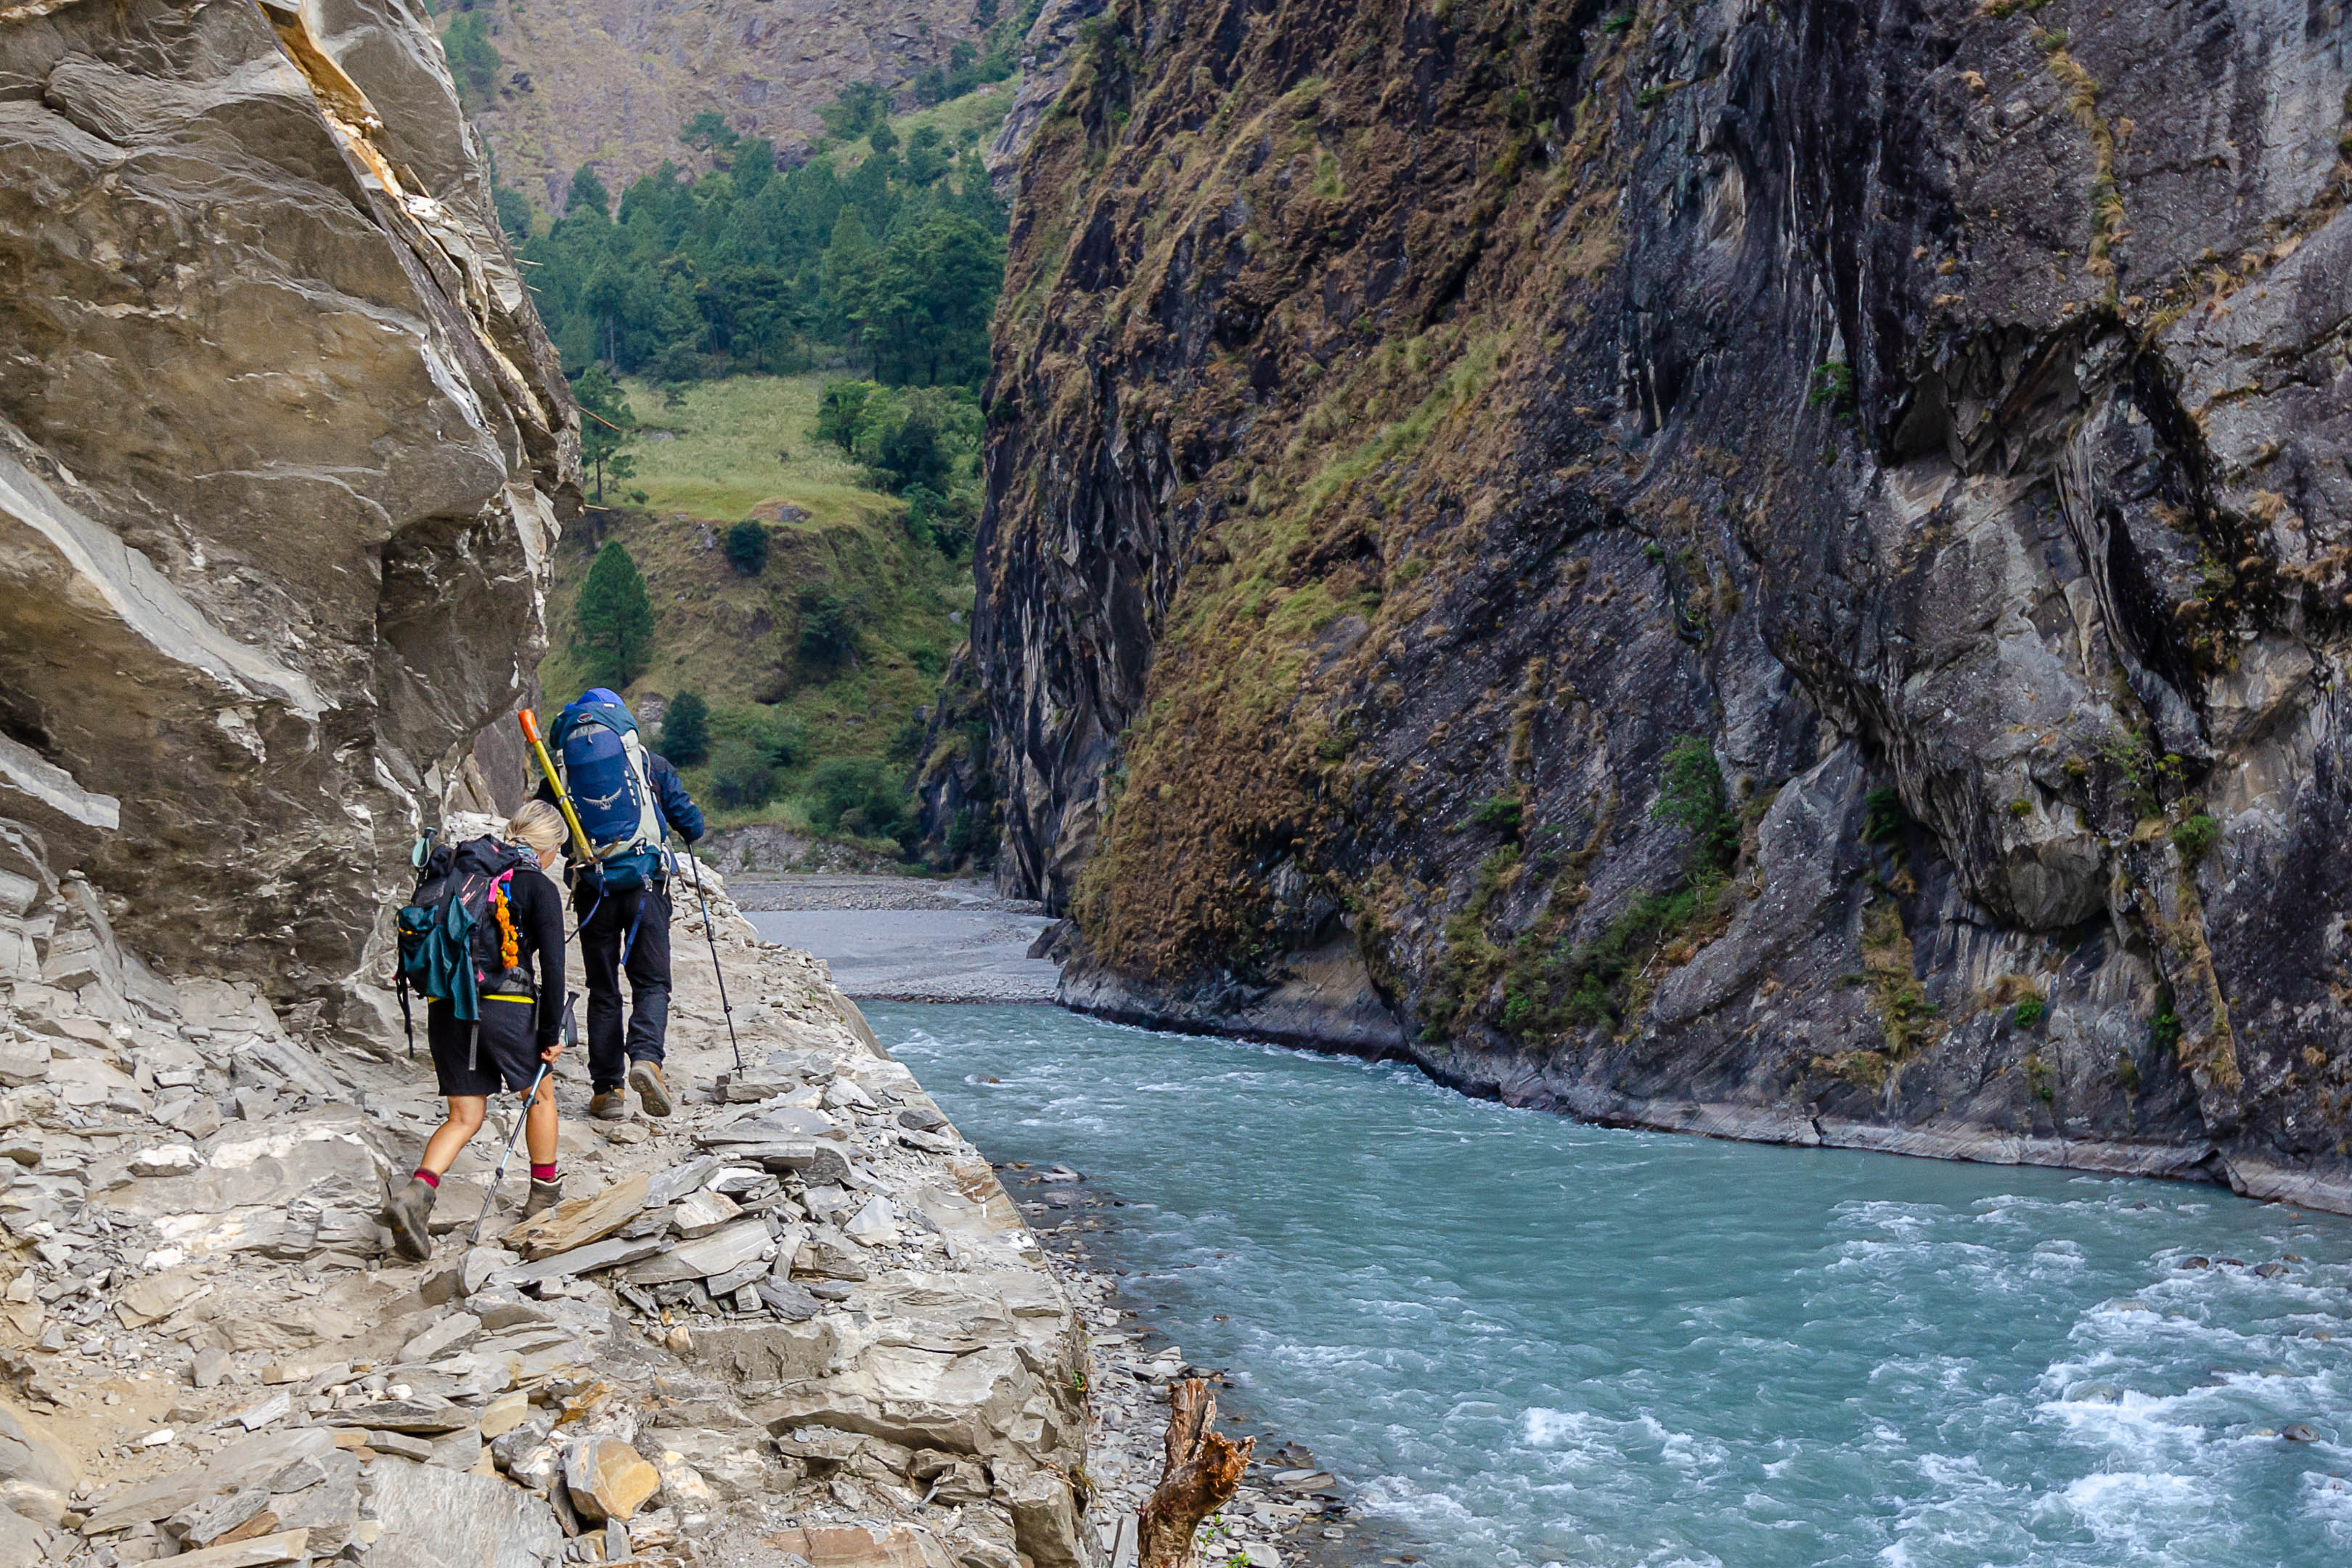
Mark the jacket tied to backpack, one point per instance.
(459, 942)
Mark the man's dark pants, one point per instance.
(638, 921)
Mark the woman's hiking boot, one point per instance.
(608, 1104)
(543, 1195)
(646, 1078)
(407, 1213)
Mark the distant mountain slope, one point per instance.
(610, 82)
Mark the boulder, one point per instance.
(577, 1222)
(227, 1515)
(27, 1453)
(863, 1546)
(159, 1296)
(454, 1332)
(712, 1254)
(1044, 1514)
(700, 1213)
(286, 1546)
(607, 1478)
(423, 1414)
(20, 1539)
(249, 1461)
(610, 1253)
(437, 1518)
(292, 525)
(164, 1160)
(874, 1225)
(733, 1464)
(264, 1186)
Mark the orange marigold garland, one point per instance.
(510, 952)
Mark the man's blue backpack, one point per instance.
(603, 761)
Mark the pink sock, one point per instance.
(543, 1172)
(427, 1177)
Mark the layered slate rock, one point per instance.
(221, 1355)
(282, 452)
(1413, 425)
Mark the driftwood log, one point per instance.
(1203, 1468)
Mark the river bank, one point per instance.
(899, 940)
(1329, 1002)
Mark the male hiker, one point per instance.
(628, 799)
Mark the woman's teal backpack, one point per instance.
(449, 945)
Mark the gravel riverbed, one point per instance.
(893, 939)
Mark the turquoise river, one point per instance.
(1529, 1342)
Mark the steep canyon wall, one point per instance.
(282, 452)
(1413, 424)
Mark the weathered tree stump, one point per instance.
(1202, 1470)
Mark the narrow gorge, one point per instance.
(1466, 585)
(1776, 571)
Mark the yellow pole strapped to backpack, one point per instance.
(530, 722)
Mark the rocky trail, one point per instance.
(798, 1319)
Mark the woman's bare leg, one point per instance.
(538, 1132)
(465, 1119)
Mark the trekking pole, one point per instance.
(712, 938)
(499, 1175)
(530, 722)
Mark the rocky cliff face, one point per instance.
(610, 83)
(1781, 570)
(282, 452)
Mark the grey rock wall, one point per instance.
(1940, 409)
(282, 452)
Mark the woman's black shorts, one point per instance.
(504, 1051)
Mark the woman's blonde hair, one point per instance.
(541, 826)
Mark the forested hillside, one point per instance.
(889, 258)
(778, 369)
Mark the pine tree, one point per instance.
(607, 425)
(588, 193)
(686, 730)
(614, 620)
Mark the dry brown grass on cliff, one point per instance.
(1415, 269)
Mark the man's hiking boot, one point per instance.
(608, 1105)
(407, 1212)
(646, 1078)
(543, 1195)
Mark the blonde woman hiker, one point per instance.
(485, 917)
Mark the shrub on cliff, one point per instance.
(839, 407)
(614, 624)
(474, 62)
(828, 624)
(860, 796)
(1690, 795)
(608, 427)
(741, 774)
(747, 548)
(751, 747)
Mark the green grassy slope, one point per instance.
(739, 449)
(977, 113)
